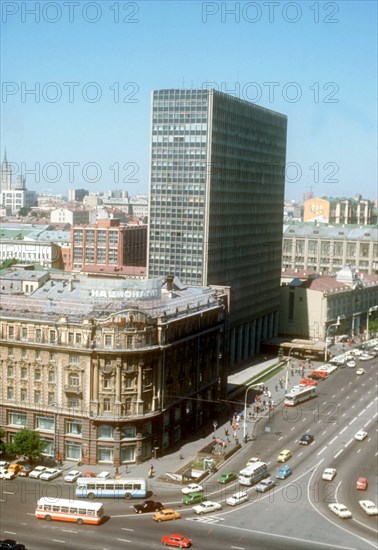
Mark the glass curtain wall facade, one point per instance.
(216, 202)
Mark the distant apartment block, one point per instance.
(327, 249)
(108, 243)
(13, 193)
(309, 306)
(339, 210)
(77, 195)
(73, 215)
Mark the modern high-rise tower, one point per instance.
(216, 203)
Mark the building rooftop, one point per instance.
(342, 232)
(88, 297)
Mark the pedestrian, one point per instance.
(276, 388)
(231, 422)
(226, 432)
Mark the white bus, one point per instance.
(299, 395)
(63, 509)
(252, 474)
(92, 487)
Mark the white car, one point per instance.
(328, 368)
(357, 352)
(72, 476)
(361, 435)
(104, 475)
(366, 357)
(50, 473)
(329, 474)
(237, 498)
(252, 460)
(351, 363)
(192, 488)
(369, 507)
(7, 474)
(360, 371)
(37, 472)
(4, 464)
(206, 507)
(340, 510)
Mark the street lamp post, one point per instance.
(245, 409)
(287, 369)
(337, 324)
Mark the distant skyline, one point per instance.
(94, 65)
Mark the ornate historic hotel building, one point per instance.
(109, 371)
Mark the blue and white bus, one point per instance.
(93, 487)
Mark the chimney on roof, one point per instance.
(169, 281)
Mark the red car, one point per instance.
(88, 474)
(176, 540)
(361, 484)
(308, 382)
(318, 375)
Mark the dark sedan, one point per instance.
(306, 439)
(148, 506)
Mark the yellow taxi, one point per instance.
(165, 515)
(284, 455)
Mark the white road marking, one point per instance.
(362, 412)
(344, 414)
(334, 395)
(332, 440)
(279, 439)
(293, 428)
(353, 420)
(124, 540)
(338, 453)
(237, 547)
(320, 452)
(9, 532)
(325, 431)
(343, 430)
(8, 493)
(58, 540)
(126, 529)
(69, 531)
(300, 454)
(349, 442)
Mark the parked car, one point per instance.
(366, 357)
(284, 472)
(89, 474)
(206, 507)
(252, 460)
(361, 435)
(340, 510)
(226, 477)
(265, 485)
(10, 544)
(25, 470)
(192, 488)
(176, 540)
(50, 474)
(4, 464)
(351, 363)
(361, 483)
(306, 439)
(14, 467)
(72, 476)
(360, 371)
(103, 475)
(308, 382)
(38, 470)
(369, 507)
(193, 498)
(284, 455)
(329, 474)
(148, 506)
(7, 474)
(166, 514)
(237, 498)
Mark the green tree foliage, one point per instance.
(8, 263)
(2, 438)
(28, 444)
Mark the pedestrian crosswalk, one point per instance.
(207, 519)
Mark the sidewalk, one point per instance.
(174, 461)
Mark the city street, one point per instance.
(345, 404)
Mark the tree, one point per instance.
(8, 263)
(2, 443)
(27, 443)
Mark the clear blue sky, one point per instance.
(321, 54)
